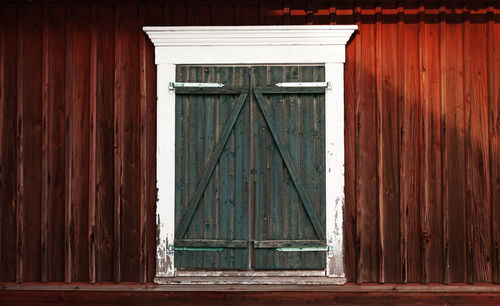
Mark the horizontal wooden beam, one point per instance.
(205, 243)
(209, 91)
(270, 244)
(487, 289)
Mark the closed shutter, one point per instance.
(250, 169)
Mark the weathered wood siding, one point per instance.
(77, 136)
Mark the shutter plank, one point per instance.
(291, 168)
(193, 204)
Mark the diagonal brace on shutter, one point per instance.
(289, 164)
(209, 168)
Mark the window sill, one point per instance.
(250, 280)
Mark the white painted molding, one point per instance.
(233, 45)
(250, 44)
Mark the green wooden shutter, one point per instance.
(249, 132)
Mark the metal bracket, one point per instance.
(306, 249)
(173, 85)
(173, 248)
(327, 85)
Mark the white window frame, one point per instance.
(251, 45)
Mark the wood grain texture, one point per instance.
(57, 143)
(117, 146)
(8, 143)
(431, 162)
(454, 142)
(389, 148)
(366, 169)
(32, 141)
(105, 151)
(431, 69)
(493, 32)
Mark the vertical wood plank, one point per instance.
(8, 141)
(410, 146)
(422, 273)
(45, 146)
(32, 141)
(93, 146)
(57, 144)
(466, 83)
(357, 105)
(403, 220)
(118, 156)
(2, 133)
(442, 54)
(366, 180)
(387, 82)
(493, 64)
(80, 141)
(380, 151)
(130, 133)
(454, 135)
(431, 169)
(143, 152)
(478, 159)
(104, 151)
(68, 270)
(154, 16)
(278, 261)
(20, 152)
(345, 15)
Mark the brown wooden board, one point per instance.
(8, 132)
(104, 152)
(57, 143)
(454, 144)
(366, 161)
(431, 162)
(389, 163)
(32, 137)
(477, 149)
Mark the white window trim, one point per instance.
(234, 45)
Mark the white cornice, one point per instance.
(250, 44)
(250, 35)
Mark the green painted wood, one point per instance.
(226, 199)
(239, 257)
(211, 91)
(210, 243)
(222, 214)
(308, 148)
(262, 142)
(181, 155)
(196, 168)
(209, 196)
(269, 244)
(277, 228)
(193, 204)
(290, 165)
(201, 249)
(293, 205)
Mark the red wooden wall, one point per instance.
(77, 136)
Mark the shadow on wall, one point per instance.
(422, 146)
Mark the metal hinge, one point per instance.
(173, 85)
(306, 249)
(327, 85)
(172, 248)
